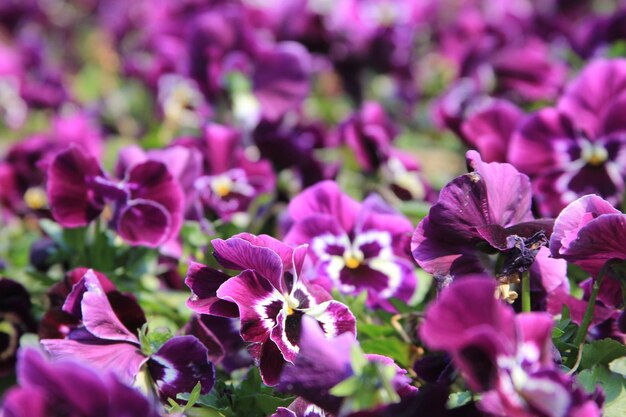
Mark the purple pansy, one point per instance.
(270, 295)
(48, 389)
(589, 232)
(577, 147)
(230, 181)
(107, 339)
(300, 408)
(505, 356)
(486, 211)
(148, 202)
(355, 247)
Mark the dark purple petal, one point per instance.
(281, 79)
(258, 301)
(271, 363)
(144, 222)
(489, 130)
(196, 327)
(72, 201)
(204, 282)
(153, 182)
(179, 365)
(237, 253)
(468, 305)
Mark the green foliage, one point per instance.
(613, 385)
(601, 352)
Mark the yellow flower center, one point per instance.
(595, 155)
(222, 186)
(35, 198)
(352, 262)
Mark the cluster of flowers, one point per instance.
(225, 210)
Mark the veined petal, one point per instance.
(125, 359)
(144, 222)
(334, 317)
(179, 365)
(204, 282)
(237, 253)
(258, 301)
(98, 315)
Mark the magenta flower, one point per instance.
(589, 232)
(577, 147)
(148, 203)
(488, 208)
(355, 247)
(230, 181)
(270, 295)
(506, 357)
(107, 339)
(48, 389)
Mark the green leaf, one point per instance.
(601, 352)
(458, 399)
(357, 359)
(346, 388)
(194, 395)
(388, 346)
(268, 403)
(618, 366)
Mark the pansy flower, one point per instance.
(355, 246)
(483, 213)
(67, 387)
(577, 147)
(148, 202)
(506, 357)
(107, 338)
(230, 180)
(270, 297)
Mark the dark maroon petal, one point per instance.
(57, 324)
(196, 327)
(271, 363)
(258, 301)
(72, 201)
(237, 253)
(281, 79)
(75, 280)
(204, 282)
(179, 365)
(508, 191)
(468, 304)
(489, 130)
(153, 182)
(127, 309)
(144, 222)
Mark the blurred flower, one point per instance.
(48, 389)
(577, 147)
(15, 320)
(506, 357)
(355, 247)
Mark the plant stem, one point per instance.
(584, 326)
(526, 292)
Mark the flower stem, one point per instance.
(584, 326)
(526, 292)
